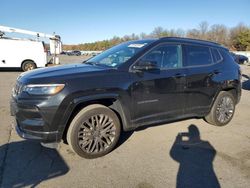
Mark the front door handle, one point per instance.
(3, 61)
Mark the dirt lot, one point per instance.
(144, 158)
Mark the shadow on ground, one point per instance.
(11, 70)
(123, 138)
(195, 158)
(246, 84)
(27, 164)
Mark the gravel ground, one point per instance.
(145, 158)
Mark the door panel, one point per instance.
(159, 94)
(201, 87)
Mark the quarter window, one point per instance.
(198, 55)
(165, 56)
(216, 55)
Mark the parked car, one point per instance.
(75, 52)
(134, 84)
(21, 53)
(240, 59)
(63, 53)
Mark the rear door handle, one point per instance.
(180, 75)
(217, 72)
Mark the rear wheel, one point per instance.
(223, 109)
(28, 65)
(94, 131)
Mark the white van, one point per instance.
(22, 53)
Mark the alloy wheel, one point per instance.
(96, 134)
(225, 109)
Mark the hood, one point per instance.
(60, 71)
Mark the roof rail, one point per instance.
(186, 38)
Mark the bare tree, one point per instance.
(203, 28)
(180, 33)
(219, 33)
(143, 35)
(193, 33)
(160, 32)
(237, 38)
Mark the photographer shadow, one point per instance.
(195, 157)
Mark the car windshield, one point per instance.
(119, 54)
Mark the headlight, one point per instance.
(43, 89)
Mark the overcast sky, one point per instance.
(79, 21)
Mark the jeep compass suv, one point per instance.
(133, 84)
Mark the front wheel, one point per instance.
(223, 109)
(94, 131)
(28, 65)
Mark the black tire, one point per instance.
(28, 65)
(91, 134)
(222, 110)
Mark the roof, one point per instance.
(190, 40)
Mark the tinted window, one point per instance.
(120, 54)
(216, 55)
(198, 55)
(165, 56)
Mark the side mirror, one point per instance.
(146, 65)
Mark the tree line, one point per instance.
(235, 38)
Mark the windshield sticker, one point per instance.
(136, 45)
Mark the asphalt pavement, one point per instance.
(148, 157)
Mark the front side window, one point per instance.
(165, 56)
(198, 55)
(119, 54)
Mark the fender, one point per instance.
(115, 106)
(227, 86)
(124, 115)
(87, 98)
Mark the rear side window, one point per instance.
(216, 55)
(198, 55)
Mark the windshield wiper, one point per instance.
(96, 64)
(90, 62)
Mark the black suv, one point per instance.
(133, 84)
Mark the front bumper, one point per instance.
(32, 123)
(44, 137)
